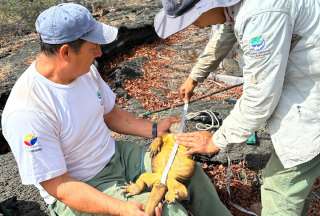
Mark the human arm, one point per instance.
(265, 62)
(85, 198)
(40, 158)
(265, 41)
(216, 49)
(125, 122)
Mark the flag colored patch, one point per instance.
(30, 139)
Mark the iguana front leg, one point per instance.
(146, 179)
(155, 146)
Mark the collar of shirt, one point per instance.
(231, 13)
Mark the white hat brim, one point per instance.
(166, 25)
(101, 34)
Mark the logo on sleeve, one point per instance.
(99, 97)
(257, 43)
(31, 143)
(257, 47)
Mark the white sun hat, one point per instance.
(178, 15)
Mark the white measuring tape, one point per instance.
(175, 146)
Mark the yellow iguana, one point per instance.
(182, 169)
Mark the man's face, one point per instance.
(82, 60)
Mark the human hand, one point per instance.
(132, 208)
(158, 210)
(164, 124)
(186, 89)
(197, 142)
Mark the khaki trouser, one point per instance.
(284, 191)
(128, 162)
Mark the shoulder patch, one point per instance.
(31, 143)
(256, 47)
(99, 97)
(257, 43)
(30, 139)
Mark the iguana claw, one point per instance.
(172, 197)
(155, 147)
(154, 152)
(130, 189)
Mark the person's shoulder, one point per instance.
(17, 119)
(260, 12)
(27, 76)
(252, 7)
(24, 94)
(21, 89)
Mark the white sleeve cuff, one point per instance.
(219, 140)
(194, 75)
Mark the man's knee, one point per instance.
(282, 203)
(174, 209)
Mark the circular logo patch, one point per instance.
(257, 43)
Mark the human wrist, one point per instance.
(194, 75)
(219, 140)
(212, 147)
(121, 208)
(192, 80)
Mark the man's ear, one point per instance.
(65, 52)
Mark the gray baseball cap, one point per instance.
(67, 22)
(177, 15)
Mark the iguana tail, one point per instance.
(157, 193)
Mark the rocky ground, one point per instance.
(145, 72)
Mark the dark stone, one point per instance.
(205, 118)
(15, 197)
(126, 70)
(5, 54)
(257, 161)
(14, 207)
(4, 147)
(4, 96)
(126, 40)
(10, 207)
(135, 23)
(133, 68)
(120, 92)
(135, 106)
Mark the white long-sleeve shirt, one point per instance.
(280, 46)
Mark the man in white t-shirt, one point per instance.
(57, 121)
